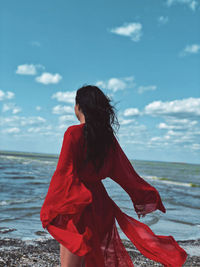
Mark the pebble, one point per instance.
(46, 253)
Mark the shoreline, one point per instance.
(45, 252)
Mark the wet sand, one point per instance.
(46, 252)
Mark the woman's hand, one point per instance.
(140, 210)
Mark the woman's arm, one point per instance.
(144, 196)
(66, 193)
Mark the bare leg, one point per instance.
(68, 259)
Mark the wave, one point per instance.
(28, 160)
(29, 214)
(168, 181)
(19, 201)
(23, 208)
(13, 172)
(22, 177)
(37, 183)
(182, 204)
(4, 230)
(183, 222)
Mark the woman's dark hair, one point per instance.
(100, 118)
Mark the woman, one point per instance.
(78, 212)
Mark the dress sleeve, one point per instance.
(144, 196)
(66, 195)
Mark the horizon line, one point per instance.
(57, 155)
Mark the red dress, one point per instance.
(80, 215)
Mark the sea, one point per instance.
(25, 177)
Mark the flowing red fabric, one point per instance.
(80, 215)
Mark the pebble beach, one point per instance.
(46, 253)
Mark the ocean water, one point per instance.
(25, 177)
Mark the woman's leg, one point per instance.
(68, 259)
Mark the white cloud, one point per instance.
(113, 84)
(142, 89)
(116, 84)
(132, 30)
(39, 129)
(125, 121)
(62, 126)
(16, 121)
(180, 133)
(133, 133)
(174, 133)
(38, 108)
(68, 97)
(11, 107)
(190, 49)
(28, 69)
(6, 95)
(13, 130)
(131, 112)
(16, 110)
(66, 118)
(48, 78)
(25, 126)
(32, 120)
(178, 137)
(35, 43)
(189, 107)
(163, 20)
(156, 138)
(62, 109)
(195, 146)
(192, 4)
(181, 124)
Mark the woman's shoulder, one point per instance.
(75, 127)
(75, 130)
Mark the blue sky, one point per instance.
(144, 54)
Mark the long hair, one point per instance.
(100, 118)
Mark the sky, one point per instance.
(144, 54)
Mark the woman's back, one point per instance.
(86, 172)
